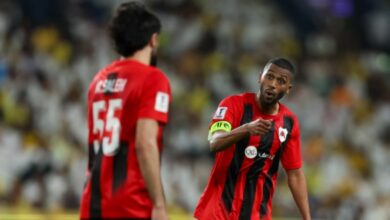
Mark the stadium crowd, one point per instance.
(50, 50)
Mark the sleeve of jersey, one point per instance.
(223, 117)
(291, 157)
(155, 98)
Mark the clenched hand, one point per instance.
(259, 126)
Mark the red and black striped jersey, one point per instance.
(242, 181)
(118, 96)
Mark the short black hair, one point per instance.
(283, 63)
(132, 27)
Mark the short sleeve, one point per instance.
(155, 98)
(291, 157)
(225, 115)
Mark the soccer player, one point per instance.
(128, 103)
(250, 134)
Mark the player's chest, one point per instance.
(271, 141)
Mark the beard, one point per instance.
(270, 101)
(153, 58)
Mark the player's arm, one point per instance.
(221, 137)
(149, 159)
(297, 183)
(292, 163)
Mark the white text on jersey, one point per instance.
(110, 85)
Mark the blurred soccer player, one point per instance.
(127, 106)
(250, 134)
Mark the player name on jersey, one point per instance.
(110, 85)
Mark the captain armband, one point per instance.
(219, 126)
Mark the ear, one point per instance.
(259, 79)
(289, 89)
(153, 42)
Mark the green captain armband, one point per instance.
(219, 126)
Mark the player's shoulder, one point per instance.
(156, 73)
(103, 71)
(96, 78)
(102, 74)
(238, 98)
(288, 112)
(127, 65)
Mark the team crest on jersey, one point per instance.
(220, 113)
(251, 152)
(282, 134)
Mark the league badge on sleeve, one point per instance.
(282, 134)
(220, 113)
(162, 102)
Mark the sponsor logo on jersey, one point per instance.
(265, 155)
(220, 113)
(162, 102)
(251, 152)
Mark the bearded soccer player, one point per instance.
(250, 134)
(128, 103)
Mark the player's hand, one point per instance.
(259, 126)
(159, 213)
